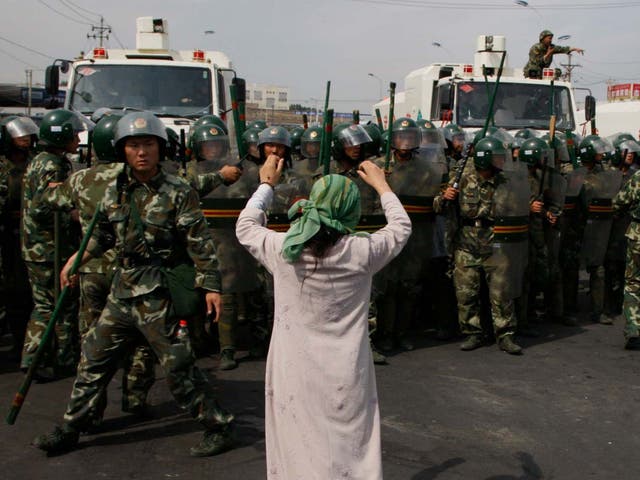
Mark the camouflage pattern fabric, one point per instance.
(472, 257)
(537, 62)
(614, 263)
(38, 247)
(173, 225)
(38, 243)
(84, 190)
(174, 229)
(15, 290)
(63, 351)
(628, 201)
(118, 326)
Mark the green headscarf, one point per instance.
(334, 202)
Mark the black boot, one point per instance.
(507, 344)
(62, 439)
(214, 442)
(472, 342)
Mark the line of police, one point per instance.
(524, 215)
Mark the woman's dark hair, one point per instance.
(322, 241)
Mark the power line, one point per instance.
(117, 39)
(26, 48)
(497, 6)
(66, 4)
(62, 14)
(16, 58)
(84, 9)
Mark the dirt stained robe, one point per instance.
(321, 405)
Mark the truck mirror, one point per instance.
(52, 80)
(589, 107)
(241, 89)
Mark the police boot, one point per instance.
(214, 442)
(507, 344)
(632, 343)
(62, 439)
(472, 342)
(227, 360)
(604, 319)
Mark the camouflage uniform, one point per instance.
(614, 262)
(38, 247)
(16, 293)
(174, 231)
(537, 62)
(83, 190)
(628, 200)
(473, 248)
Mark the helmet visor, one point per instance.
(353, 135)
(22, 127)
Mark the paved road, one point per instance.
(567, 409)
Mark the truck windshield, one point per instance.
(517, 105)
(164, 90)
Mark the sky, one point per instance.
(303, 43)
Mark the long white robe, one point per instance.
(322, 420)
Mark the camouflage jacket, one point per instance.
(83, 190)
(628, 201)
(38, 241)
(537, 62)
(475, 202)
(169, 228)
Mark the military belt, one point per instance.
(511, 229)
(222, 212)
(371, 223)
(601, 208)
(135, 262)
(419, 209)
(477, 222)
(278, 221)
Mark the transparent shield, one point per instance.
(22, 127)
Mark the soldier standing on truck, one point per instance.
(541, 54)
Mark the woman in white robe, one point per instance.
(321, 406)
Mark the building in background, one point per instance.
(270, 97)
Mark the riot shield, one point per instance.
(307, 170)
(511, 230)
(417, 182)
(290, 189)
(555, 191)
(599, 190)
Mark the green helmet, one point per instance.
(250, 139)
(545, 33)
(430, 134)
(210, 142)
(521, 135)
(591, 147)
(624, 144)
(452, 131)
(16, 126)
(59, 127)
(103, 136)
(310, 142)
(296, 136)
(101, 112)
(278, 135)
(405, 134)
(534, 152)
(490, 152)
(495, 132)
(259, 124)
(560, 149)
(349, 135)
(139, 124)
(211, 120)
(372, 149)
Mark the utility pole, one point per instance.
(29, 86)
(101, 33)
(569, 68)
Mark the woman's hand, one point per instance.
(374, 176)
(271, 170)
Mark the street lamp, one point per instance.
(209, 32)
(524, 3)
(379, 81)
(564, 38)
(439, 45)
